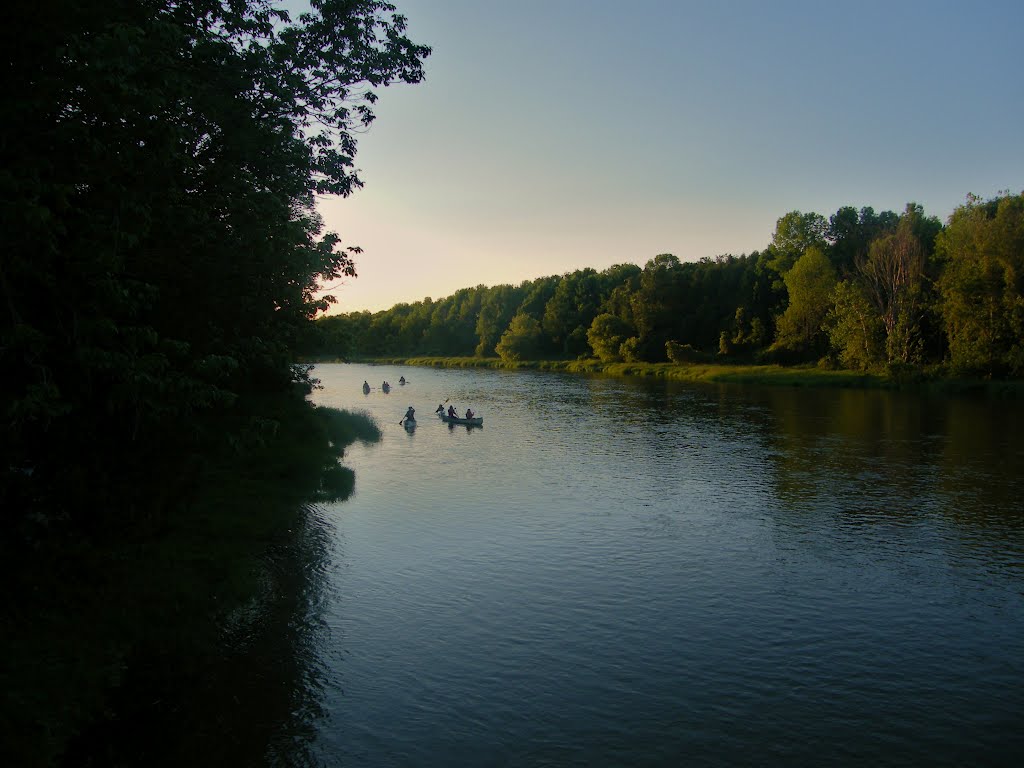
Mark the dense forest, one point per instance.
(858, 289)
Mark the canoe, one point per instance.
(409, 423)
(366, 389)
(476, 421)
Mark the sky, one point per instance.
(554, 135)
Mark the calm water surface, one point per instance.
(634, 572)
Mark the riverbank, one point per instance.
(933, 380)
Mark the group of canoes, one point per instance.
(450, 416)
(385, 387)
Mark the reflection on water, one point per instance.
(281, 644)
(191, 632)
(250, 696)
(648, 573)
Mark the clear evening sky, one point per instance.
(553, 135)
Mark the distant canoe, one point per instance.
(476, 421)
(366, 389)
(386, 387)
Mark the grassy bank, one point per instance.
(932, 380)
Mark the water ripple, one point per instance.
(613, 572)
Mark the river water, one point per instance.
(638, 572)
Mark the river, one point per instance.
(639, 572)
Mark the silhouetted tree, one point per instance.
(162, 252)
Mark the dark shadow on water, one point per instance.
(249, 696)
(191, 638)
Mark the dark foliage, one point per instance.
(158, 161)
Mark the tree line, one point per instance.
(858, 289)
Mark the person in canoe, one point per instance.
(402, 380)
(440, 408)
(366, 388)
(410, 415)
(469, 413)
(386, 387)
(452, 413)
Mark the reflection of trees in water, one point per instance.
(849, 450)
(191, 640)
(866, 456)
(875, 455)
(276, 643)
(674, 438)
(981, 475)
(248, 696)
